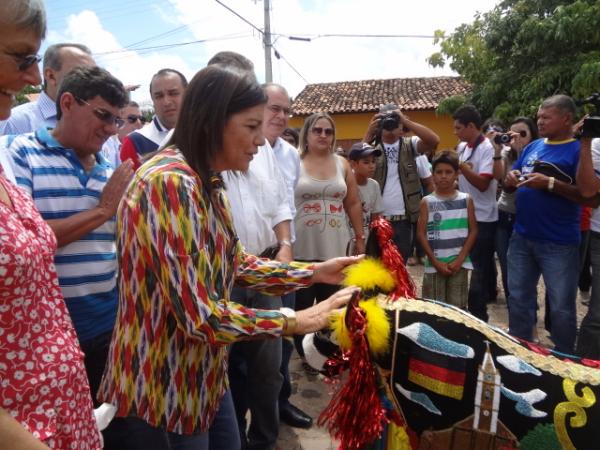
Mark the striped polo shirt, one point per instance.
(447, 228)
(60, 188)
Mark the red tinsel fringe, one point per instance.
(355, 414)
(392, 259)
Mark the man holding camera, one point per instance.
(397, 172)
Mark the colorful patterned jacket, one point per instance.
(179, 258)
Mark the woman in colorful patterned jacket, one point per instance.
(45, 399)
(179, 258)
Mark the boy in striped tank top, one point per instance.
(447, 229)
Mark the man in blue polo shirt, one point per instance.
(77, 192)
(546, 233)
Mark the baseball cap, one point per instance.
(362, 150)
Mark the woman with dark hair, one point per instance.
(325, 193)
(179, 255)
(522, 131)
(45, 399)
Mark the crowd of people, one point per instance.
(168, 268)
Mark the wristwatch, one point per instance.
(289, 318)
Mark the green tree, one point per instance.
(21, 98)
(523, 51)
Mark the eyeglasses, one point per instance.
(319, 131)
(24, 62)
(276, 109)
(132, 118)
(105, 116)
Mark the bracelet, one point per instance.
(285, 242)
(551, 184)
(497, 158)
(358, 238)
(289, 321)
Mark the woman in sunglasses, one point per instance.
(45, 399)
(180, 257)
(325, 193)
(522, 131)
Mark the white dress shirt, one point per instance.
(288, 160)
(258, 199)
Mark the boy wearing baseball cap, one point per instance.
(362, 159)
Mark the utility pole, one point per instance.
(267, 43)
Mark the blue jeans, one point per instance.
(255, 379)
(131, 433)
(588, 342)
(559, 265)
(403, 237)
(504, 231)
(482, 256)
(287, 347)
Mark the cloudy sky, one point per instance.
(135, 38)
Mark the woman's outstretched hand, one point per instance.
(317, 317)
(332, 270)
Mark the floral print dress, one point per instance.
(43, 382)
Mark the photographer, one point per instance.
(397, 171)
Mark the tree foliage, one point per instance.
(523, 51)
(21, 97)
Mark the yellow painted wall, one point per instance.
(353, 126)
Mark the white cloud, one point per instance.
(130, 67)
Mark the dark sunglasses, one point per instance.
(132, 118)
(319, 131)
(24, 62)
(105, 116)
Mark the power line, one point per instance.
(278, 55)
(142, 50)
(309, 37)
(239, 16)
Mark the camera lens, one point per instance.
(503, 138)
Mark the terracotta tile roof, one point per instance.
(368, 95)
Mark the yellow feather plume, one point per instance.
(378, 327)
(369, 274)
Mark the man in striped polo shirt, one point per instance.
(77, 192)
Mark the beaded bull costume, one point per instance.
(426, 375)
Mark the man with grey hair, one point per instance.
(59, 59)
(275, 121)
(546, 232)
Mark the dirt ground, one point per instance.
(312, 394)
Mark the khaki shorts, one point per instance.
(453, 289)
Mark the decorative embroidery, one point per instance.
(575, 405)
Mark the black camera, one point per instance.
(505, 138)
(390, 121)
(591, 124)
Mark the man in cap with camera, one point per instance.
(397, 170)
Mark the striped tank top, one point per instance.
(447, 228)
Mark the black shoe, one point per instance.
(295, 417)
